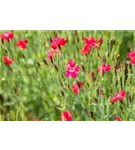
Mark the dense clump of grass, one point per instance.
(33, 88)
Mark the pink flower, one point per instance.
(71, 63)
(119, 96)
(71, 73)
(77, 69)
(7, 36)
(72, 69)
(104, 68)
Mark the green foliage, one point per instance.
(32, 88)
(127, 43)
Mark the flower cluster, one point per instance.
(72, 69)
(90, 43)
(54, 48)
(22, 44)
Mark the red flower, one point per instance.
(7, 36)
(36, 120)
(89, 44)
(104, 68)
(54, 46)
(86, 50)
(66, 116)
(76, 87)
(22, 44)
(55, 42)
(122, 94)
(92, 42)
(62, 41)
(118, 118)
(131, 54)
(132, 60)
(72, 69)
(119, 96)
(7, 60)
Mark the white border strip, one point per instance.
(67, 26)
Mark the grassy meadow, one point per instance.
(37, 86)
